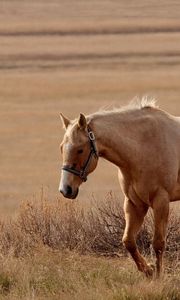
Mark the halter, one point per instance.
(82, 173)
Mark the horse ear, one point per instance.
(65, 121)
(82, 123)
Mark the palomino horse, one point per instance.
(144, 143)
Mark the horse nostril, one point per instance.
(69, 190)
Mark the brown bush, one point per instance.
(66, 225)
(173, 237)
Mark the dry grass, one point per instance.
(66, 275)
(41, 255)
(66, 225)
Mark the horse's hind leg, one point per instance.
(161, 212)
(134, 216)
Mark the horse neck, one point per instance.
(115, 141)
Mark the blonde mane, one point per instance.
(145, 101)
(135, 104)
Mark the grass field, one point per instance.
(67, 275)
(61, 251)
(77, 56)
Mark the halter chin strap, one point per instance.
(82, 173)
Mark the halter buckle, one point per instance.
(91, 136)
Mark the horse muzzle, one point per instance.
(68, 192)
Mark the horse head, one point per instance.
(79, 155)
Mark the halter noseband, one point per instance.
(82, 173)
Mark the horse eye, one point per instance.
(80, 151)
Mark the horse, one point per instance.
(143, 141)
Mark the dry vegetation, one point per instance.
(67, 275)
(74, 56)
(55, 251)
(66, 225)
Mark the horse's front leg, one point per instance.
(161, 213)
(134, 216)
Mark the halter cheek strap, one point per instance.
(83, 172)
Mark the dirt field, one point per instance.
(76, 56)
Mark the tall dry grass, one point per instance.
(66, 275)
(41, 254)
(67, 225)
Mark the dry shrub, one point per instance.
(173, 237)
(65, 224)
(106, 226)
